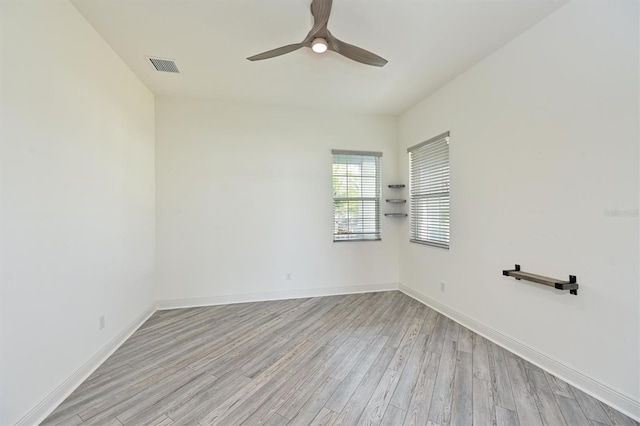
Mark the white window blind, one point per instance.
(429, 191)
(356, 195)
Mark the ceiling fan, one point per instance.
(320, 40)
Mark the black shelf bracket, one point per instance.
(571, 285)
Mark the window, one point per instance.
(356, 196)
(429, 191)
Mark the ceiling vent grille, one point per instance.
(164, 65)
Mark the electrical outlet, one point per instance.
(101, 322)
(288, 276)
(443, 287)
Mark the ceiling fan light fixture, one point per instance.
(318, 40)
(319, 45)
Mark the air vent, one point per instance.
(164, 65)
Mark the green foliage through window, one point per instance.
(356, 196)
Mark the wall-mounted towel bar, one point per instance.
(570, 285)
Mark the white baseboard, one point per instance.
(55, 398)
(272, 295)
(621, 402)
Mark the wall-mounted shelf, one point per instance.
(571, 285)
(396, 201)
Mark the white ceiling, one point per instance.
(427, 43)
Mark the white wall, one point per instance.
(244, 195)
(77, 199)
(544, 142)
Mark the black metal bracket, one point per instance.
(573, 280)
(506, 272)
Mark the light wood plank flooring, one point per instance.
(374, 358)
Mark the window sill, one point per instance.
(429, 243)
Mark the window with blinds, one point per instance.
(356, 196)
(429, 191)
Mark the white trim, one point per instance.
(616, 399)
(272, 295)
(55, 398)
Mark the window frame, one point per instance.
(421, 215)
(358, 236)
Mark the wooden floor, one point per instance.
(374, 358)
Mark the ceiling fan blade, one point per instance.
(355, 53)
(276, 52)
(320, 9)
